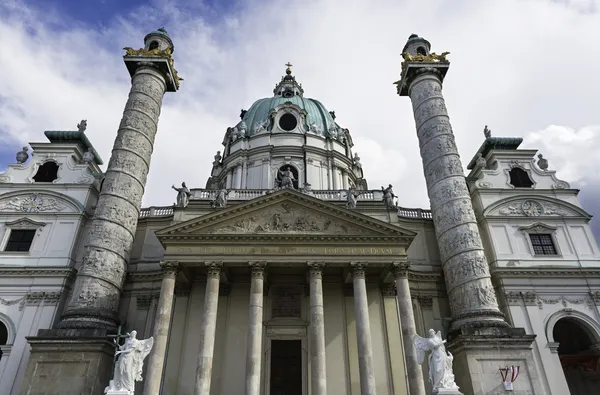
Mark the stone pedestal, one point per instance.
(68, 362)
(479, 353)
(119, 393)
(444, 391)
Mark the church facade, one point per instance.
(287, 273)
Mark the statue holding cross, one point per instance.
(128, 368)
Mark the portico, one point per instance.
(292, 290)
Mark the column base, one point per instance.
(479, 353)
(68, 362)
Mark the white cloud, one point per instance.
(511, 69)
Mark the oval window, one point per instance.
(288, 122)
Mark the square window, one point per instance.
(542, 244)
(20, 240)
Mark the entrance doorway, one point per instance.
(286, 367)
(578, 357)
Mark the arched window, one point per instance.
(421, 51)
(47, 172)
(519, 178)
(153, 45)
(3, 336)
(576, 355)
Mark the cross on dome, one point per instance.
(288, 71)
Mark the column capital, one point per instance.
(358, 269)
(400, 268)
(315, 269)
(169, 268)
(213, 269)
(257, 268)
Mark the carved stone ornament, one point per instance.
(170, 268)
(315, 269)
(287, 218)
(531, 208)
(257, 269)
(400, 269)
(34, 203)
(213, 269)
(388, 290)
(358, 269)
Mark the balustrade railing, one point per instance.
(248, 194)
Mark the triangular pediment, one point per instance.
(286, 213)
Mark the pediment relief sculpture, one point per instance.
(287, 218)
(35, 203)
(535, 207)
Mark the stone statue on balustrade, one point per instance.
(128, 368)
(351, 198)
(183, 195)
(441, 376)
(220, 199)
(388, 197)
(285, 178)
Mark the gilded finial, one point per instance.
(288, 71)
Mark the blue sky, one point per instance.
(62, 63)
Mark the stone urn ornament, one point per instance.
(22, 156)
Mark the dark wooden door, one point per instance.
(286, 367)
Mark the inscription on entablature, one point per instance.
(267, 250)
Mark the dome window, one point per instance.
(288, 122)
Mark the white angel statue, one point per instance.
(128, 368)
(440, 361)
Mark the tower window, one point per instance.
(20, 240)
(421, 51)
(542, 244)
(153, 45)
(519, 178)
(47, 172)
(288, 122)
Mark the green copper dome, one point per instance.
(316, 114)
(316, 118)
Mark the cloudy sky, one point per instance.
(526, 68)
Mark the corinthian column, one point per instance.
(407, 323)
(97, 289)
(162, 325)
(470, 291)
(255, 328)
(208, 328)
(318, 376)
(363, 330)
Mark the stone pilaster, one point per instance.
(208, 328)
(318, 376)
(363, 330)
(409, 328)
(162, 325)
(100, 279)
(255, 328)
(470, 291)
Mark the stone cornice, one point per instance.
(545, 272)
(155, 275)
(182, 238)
(25, 271)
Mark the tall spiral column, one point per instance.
(470, 291)
(97, 289)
